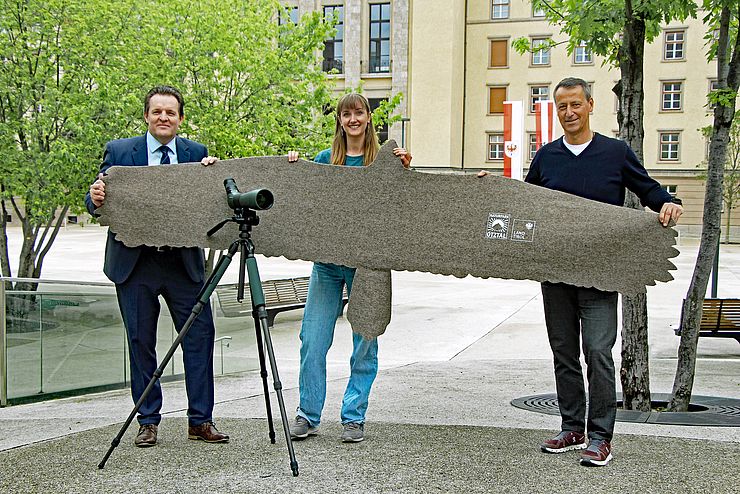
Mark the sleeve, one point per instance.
(533, 175)
(323, 157)
(107, 163)
(637, 180)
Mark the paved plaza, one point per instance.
(456, 353)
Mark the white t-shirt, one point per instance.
(577, 148)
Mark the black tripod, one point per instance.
(246, 218)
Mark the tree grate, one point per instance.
(703, 410)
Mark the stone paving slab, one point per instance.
(394, 458)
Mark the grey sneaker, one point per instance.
(300, 428)
(354, 432)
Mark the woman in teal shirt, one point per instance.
(355, 143)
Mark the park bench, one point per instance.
(720, 317)
(280, 295)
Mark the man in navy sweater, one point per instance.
(596, 167)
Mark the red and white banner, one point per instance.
(545, 117)
(513, 139)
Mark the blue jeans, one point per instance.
(588, 315)
(323, 307)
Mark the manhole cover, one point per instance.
(704, 410)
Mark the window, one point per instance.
(499, 9)
(713, 86)
(495, 147)
(669, 146)
(538, 10)
(582, 54)
(532, 145)
(674, 45)
(499, 53)
(334, 47)
(380, 37)
(540, 55)
(496, 98)
(671, 189)
(537, 93)
(382, 131)
(671, 96)
(292, 15)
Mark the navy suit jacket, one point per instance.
(120, 260)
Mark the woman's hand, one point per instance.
(292, 156)
(404, 155)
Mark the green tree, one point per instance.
(73, 74)
(61, 92)
(722, 18)
(617, 30)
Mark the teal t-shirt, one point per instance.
(325, 158)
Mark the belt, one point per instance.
(161, 248)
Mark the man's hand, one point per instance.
(208, 160)
(668, 212)
(292, 156)
(97, 191)
(482, 173)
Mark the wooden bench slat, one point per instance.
(720, 318)
(280, 295)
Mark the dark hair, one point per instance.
(570, 82)
(168, 90)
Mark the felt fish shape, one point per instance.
(384, 217)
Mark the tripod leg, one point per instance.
(263, 375)
(203, 299)
(258, 304)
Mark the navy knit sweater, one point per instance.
(601, 172)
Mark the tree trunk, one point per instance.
(635, 369)
(728, 77)
(4, 252)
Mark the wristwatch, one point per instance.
(676, 200)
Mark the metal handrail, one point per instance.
(3, 349)
(56, 282)
(221, 341)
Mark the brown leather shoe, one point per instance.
(207, 432)
(147, 436)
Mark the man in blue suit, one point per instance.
(142, 274)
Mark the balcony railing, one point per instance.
(335, 65)
(377, 65)
(67, 338)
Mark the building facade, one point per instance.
(462, 67)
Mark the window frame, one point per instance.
(534, 54)
(378, 42)
(586, 50)
(501, 143)
(673, 43)
(504, 7)
(491, 87)
(676, 143)
(491, 41)
(334, 61)
(538, 97)
(673, 93)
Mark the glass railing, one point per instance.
(66, 337)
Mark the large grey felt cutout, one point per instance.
(383, 217)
